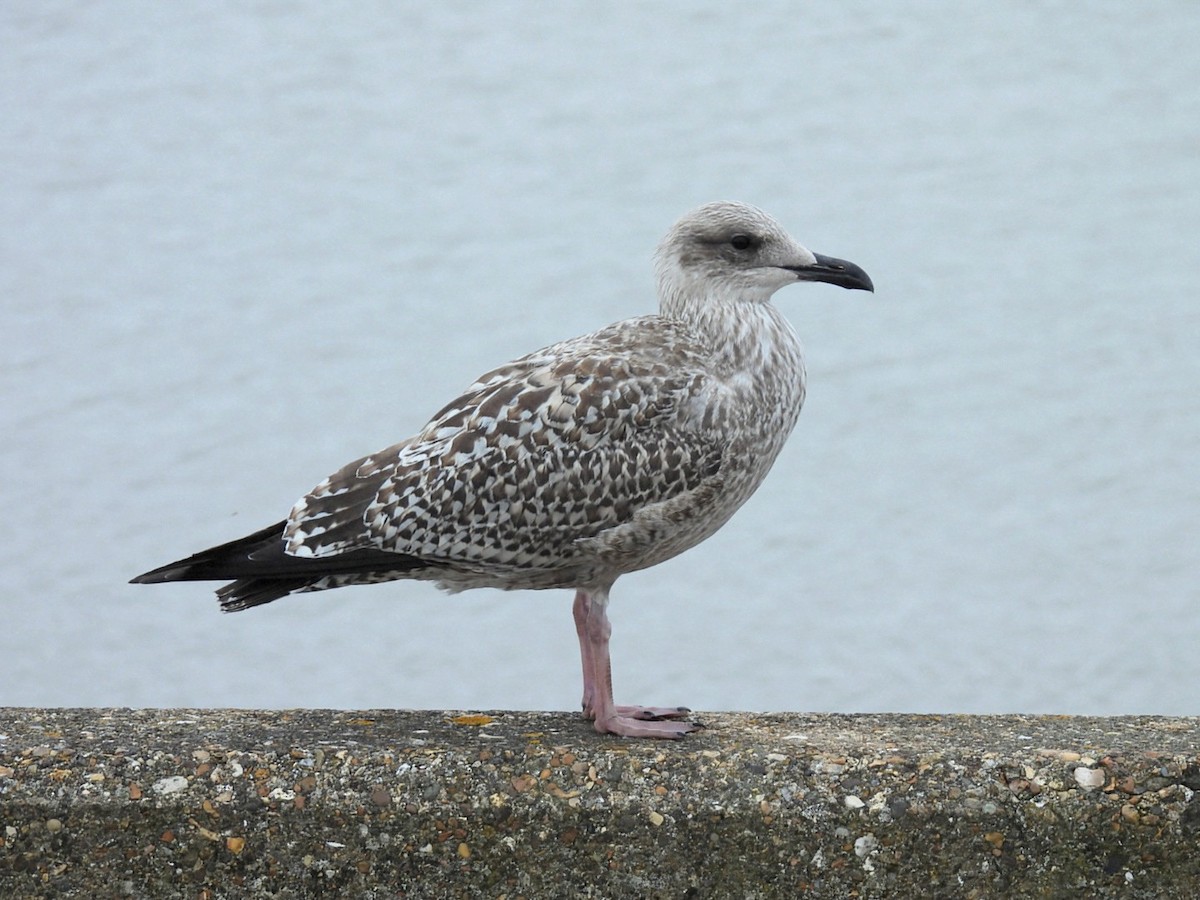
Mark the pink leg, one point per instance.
(593, 628)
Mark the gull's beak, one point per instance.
(834, 271)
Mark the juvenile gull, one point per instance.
(573, 465)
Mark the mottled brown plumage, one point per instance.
(568, 467)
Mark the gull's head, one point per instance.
(736, 251)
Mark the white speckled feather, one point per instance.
(508, 483)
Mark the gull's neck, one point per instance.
(743, 334)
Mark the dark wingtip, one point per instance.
(175, 571)
(218, 563)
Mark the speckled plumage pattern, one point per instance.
(568, 466)
(579, 462)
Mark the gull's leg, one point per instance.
(593, 628)
(580, 611)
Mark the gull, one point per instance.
(573, 465)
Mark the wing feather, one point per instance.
(530, 462)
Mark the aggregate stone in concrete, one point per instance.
(385, 803)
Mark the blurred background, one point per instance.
(245, 243)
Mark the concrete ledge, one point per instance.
(381, 803)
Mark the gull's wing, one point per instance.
(530, 462)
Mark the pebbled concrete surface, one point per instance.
(385, 803)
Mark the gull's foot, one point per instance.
(638, 726)
(652, 713)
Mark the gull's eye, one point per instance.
(741, 242)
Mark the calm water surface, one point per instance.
(246, 243)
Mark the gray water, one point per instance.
(246, 243)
